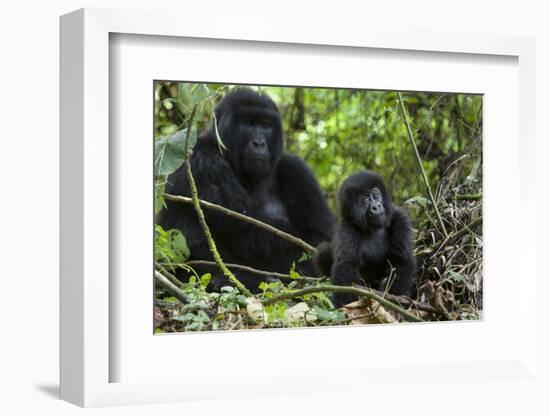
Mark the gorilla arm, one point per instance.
(304, 201)
(401, 253)
(323, 259)
(345, 269)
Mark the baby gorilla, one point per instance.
(372, 239)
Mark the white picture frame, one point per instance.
(86, 305)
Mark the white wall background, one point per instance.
(29, 210)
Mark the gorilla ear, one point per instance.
(349, 193)
(344, 203)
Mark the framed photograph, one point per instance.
(314, 238)
(291, 210)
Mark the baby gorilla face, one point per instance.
(364, 201)
(369, 211)
(374, 205)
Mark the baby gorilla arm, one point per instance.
(345, 269)
(401, 254)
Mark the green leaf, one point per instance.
(202, 316)
(304, 257)
(178, 245)
(169, 151)
(159, 199)
(241, 300)
(328, 315)
(276, 312)
(205, 279)
(420, 200)
(163, 253)
(458, 277)
(200, 92)
(293, 273)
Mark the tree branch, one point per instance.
(346, 289)
(403, 300)
(260, 224)
(252, 270)
(171, 288)
(167, 274)
(419, 160)
(400, 300)
(202, 220)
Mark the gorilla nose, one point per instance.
(259, 143)
(376, 208)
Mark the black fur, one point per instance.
(373, 236)
(254, 177)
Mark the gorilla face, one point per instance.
(256, 142)
(250, 127)
(365, 202)
(372, 207)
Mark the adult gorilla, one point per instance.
(253, 177)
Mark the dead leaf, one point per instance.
(437, 296)
(444, 300)
(255, 310)
(368, 311)
(427, 291)
(301, 312)
(158, 316)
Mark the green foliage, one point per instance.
(329, 316)
(293, 273)
(276, 313)
(159, 191)
(231, 299)
(194, 321)
(341, 131)
(174, 102)
(170, 150)
(170, 246)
